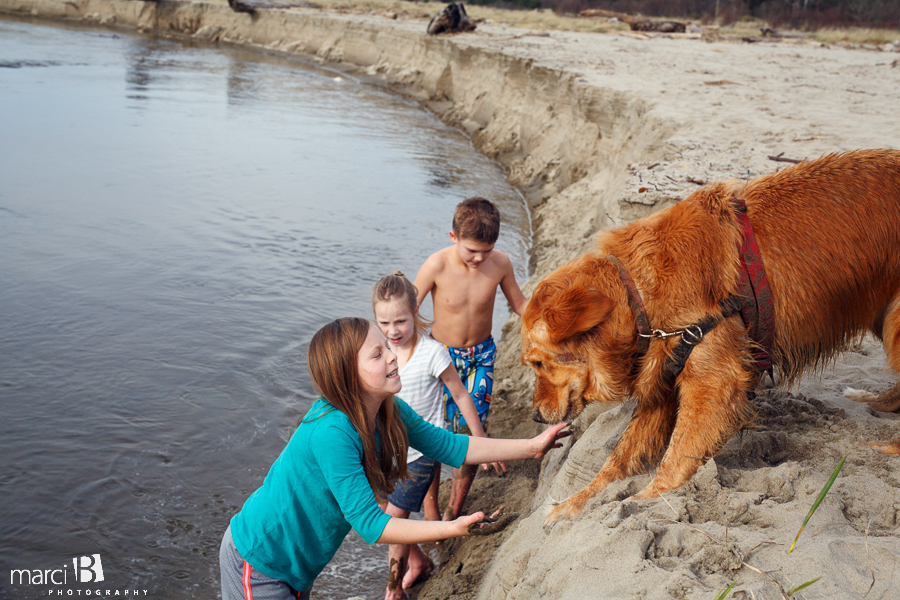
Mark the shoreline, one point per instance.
(597, 130)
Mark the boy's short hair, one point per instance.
(477, 219)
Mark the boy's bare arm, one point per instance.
(426, 276)
(514, 295)
(463, 399)
(466, 405)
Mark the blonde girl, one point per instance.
(425, 368)
(350, 446)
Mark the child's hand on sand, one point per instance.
(549, 439)
(492, 524)
(500, 467)
(461, 525)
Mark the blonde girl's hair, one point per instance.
(332, 360)
(396, 285)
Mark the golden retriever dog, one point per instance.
(828, 235)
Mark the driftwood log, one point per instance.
(636, 24)
(659, 26)
(775, 33)
(606, 14)
(251, 6)
(452, 19)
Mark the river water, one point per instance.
(176, 221)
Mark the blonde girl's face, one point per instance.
(378, 372)
(396, 322)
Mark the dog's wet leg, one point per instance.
(641, 444)
(889, 332)
(713, 403)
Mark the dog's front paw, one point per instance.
(648, 493)
(570, 509)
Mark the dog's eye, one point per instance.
(538, 364)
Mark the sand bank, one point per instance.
(597, 130)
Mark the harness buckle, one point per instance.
(692, 335)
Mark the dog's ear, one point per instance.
(574, 310)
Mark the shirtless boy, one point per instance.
(463, 280)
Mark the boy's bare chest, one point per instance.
(470, 290)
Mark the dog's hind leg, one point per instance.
(641, 444)
(712, 406)
(889, 332)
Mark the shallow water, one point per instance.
(175, 223)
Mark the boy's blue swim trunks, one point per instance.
(475, 366)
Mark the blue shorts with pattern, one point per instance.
(475, 366)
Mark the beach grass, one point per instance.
(857, 35)
(819, 499)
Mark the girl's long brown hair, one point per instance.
(332, 361)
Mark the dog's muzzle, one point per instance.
(537, 418)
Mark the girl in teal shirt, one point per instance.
(349, 447)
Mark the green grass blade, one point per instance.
(819, 500)
(724, 594)
(793, 591)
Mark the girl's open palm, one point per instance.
(550, 439)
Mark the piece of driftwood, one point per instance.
(451, 19)
(781, 158)
(636, 24)
(605, 14)
(769, 32)
(251, 6)
(658, 26)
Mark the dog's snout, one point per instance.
(537, 418)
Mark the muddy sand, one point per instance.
(597, 130)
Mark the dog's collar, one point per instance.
(690, 335)
(645, 332)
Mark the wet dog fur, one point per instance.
(829, 235)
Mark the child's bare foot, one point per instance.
(419, 566)
(395, 594)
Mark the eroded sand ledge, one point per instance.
(597, 130)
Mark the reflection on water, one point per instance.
(175, 223)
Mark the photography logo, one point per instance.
(78, 578)
(86, 569)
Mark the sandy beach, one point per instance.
(597, 130)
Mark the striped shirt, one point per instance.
(422, 387)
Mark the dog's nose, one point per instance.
(537, 418)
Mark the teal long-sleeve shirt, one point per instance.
(317, 490)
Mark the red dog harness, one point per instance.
(757, 307)
(753, 301)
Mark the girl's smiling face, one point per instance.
(396, 322)
(378, 372)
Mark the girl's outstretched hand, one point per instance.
(550, 439)
(461, 524)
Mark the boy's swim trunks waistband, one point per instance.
(487, 345)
